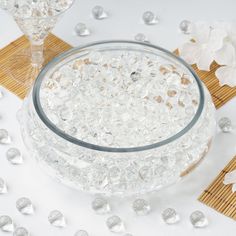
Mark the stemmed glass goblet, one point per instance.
(36, 19)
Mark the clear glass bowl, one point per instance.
(157, 123)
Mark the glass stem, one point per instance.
(37, 55)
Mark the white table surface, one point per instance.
(28, 180)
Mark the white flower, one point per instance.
(230, 178)
(226, 57)
(207, 40)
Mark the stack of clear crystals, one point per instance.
(100, 80)
(170, 216)
(39, 8)
(115, 224)
(185, 27)
(141, 207)
(57, 219)
(149, 18)
(21, 231)
(1, 94)
(82, 30)
(225, 124)
(198, 219)
(14, 156)
(3, 186)
(25, 206)
(141, 38)
(101, 206)
(4, 137)
(6, 224)
(99, 13)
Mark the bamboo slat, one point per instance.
(13, 78)
(219, 196)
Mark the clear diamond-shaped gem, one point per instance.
(185, 27)
(225, 124)
(81, 233)
(57, 219)
(3, 186)
(25, 206)
(115, 224)
(141, 207)
(1, 94)
(198, 219)
(99, 13)
(141, 38)
(150, 18)
(170, 216)
(21, 231)
(101, 206)
(82, 30)
(6, 224)
(14, 156)
(4, 137)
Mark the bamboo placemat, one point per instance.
(53, 47)
(219, 196)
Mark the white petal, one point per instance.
(205, 59)
(234, 188)
(201, 32)
(216, 39)
(227, 75)
(230, 178)
(226, 55)
(232, 34)
(190, 52)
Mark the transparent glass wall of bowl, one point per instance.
(117, 173)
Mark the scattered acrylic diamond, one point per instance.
(4, 137)
(57, 219)
(141, 38)
(3, 186)
(141, 207)
(25, 206)
(185, 27)
(82, 30)
(1, 94)
(101, 205)
(198, 219)
(170, 216)
(115, 224)
(149, 18)
(81, 233)
(14, 156)
(20, 231)
(6, 224)
(99, 13)
(225, 124)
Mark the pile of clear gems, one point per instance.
(121, 96)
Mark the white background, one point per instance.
(28, 181)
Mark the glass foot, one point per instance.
(20, 68)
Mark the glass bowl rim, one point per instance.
(40, 112)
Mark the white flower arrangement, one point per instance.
(230, 178)
(208, 43)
